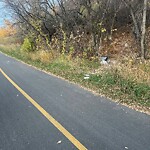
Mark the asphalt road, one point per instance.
(96, 122)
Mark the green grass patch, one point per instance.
(115, 86)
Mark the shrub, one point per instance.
(28, 45)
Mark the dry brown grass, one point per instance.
(129, 68)
(42, 56)
(46, 57)
(137, 71)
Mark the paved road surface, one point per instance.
(97, 123)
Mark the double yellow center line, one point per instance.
(66, 133)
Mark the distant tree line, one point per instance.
(96, 19)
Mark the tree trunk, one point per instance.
(143, 30)
(137, 31)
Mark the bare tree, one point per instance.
(97, 18)
(138, 11)
(143, 30)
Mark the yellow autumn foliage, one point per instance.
(7, 30)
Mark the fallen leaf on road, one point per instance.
(59, 142)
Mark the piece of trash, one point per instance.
(104, 60)
(17, 95)
(59, 142)
(126, 45)
(86, 76)
(126, 147)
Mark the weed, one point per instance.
(28, 45)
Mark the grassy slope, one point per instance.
(109, 82)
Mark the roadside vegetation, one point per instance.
(69, 38)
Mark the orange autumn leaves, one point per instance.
(7, 30)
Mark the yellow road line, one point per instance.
(68, 135)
